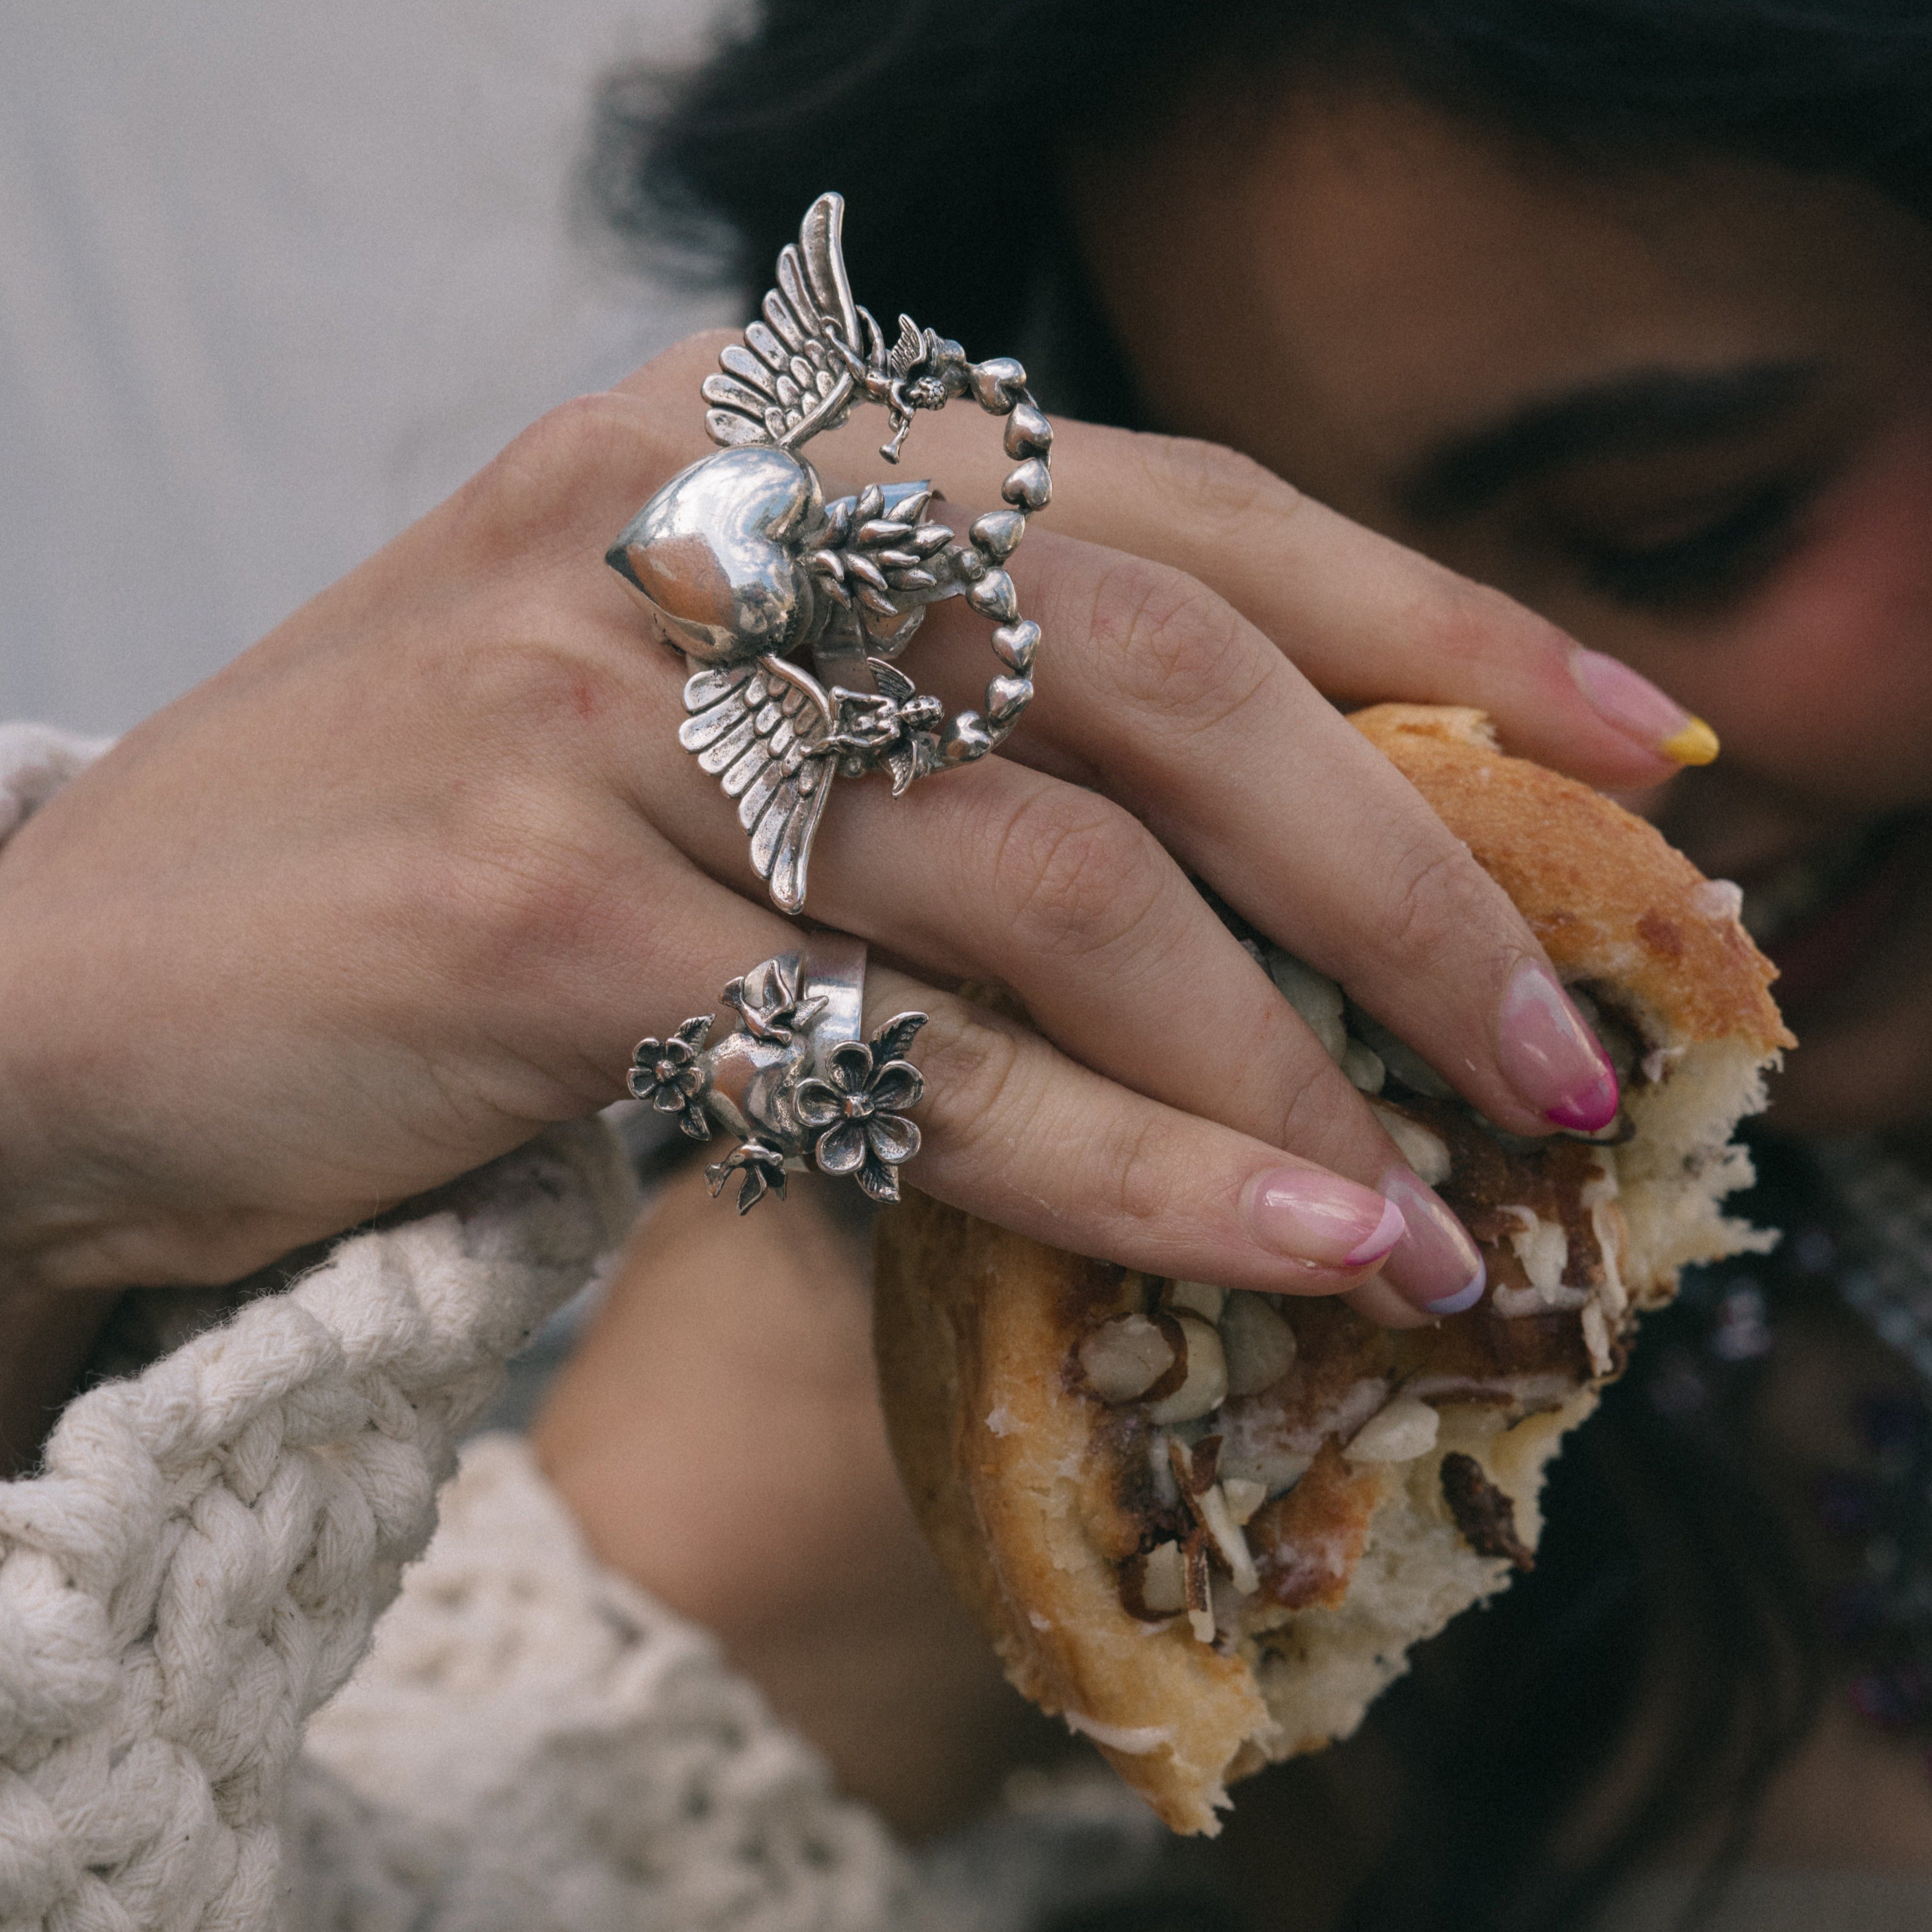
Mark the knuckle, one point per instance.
(1323, 1118)
(563, 465)
(516, 877)
(972, 1064)
(1181, 654)
(516, 693)
(992, 1101)
(532, 895)
(1073, 873)
(1217, 484)
(1462, 624)
(1434, 890)
(1139, 1161)
(516, 895)
(535, 683)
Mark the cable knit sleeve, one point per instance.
(560, 1754)
(199, 1562)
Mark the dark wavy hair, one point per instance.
(1667, 1603)
(923, 111)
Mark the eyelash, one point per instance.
(1719, 560)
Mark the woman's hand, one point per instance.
(408, 879)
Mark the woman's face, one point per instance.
(1686, 413)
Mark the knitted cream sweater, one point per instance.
(531, 1744)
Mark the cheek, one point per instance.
(1824, 679)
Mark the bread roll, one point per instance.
(1205, 1565)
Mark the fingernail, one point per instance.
(1320, 1218)
(1550, 1057)
(1436, 1264)
(1640, 710)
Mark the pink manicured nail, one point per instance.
(1550, 1057)
(1436, 1264)
(1640, 710)
(1317, 1217)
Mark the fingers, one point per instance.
(1015, 1131)
(1182, 713)
(1061, 929)
(1364, 618)
(1245, 773)
(1006, 874)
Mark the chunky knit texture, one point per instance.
(560, 1753)
(200, 1563)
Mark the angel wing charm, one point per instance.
(761, 730)
(744, 567)
(793, 376)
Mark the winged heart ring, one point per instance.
(795, 1082)
(747, 569)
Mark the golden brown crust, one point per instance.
(1016, 1475)
(1648, 922)
(972, 1328)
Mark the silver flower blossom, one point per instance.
(853, 1109)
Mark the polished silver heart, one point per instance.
(714, 554)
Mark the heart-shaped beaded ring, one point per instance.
(748, 571)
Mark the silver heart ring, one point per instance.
(796, 1081)
(748, 571)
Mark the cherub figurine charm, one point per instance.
(746, 567)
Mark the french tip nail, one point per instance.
(1591, 1112)
(1628, 699)
(1583, 1119)
(1463, 1299)
(1695, 743)
(1389, 1230)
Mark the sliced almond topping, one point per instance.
(1404, 1430)
(1364, 1068)
(1203, 1381)
(1153, 1585)
(1218, 1522)
(1543, 1248)
(1427, 1153)
(1258, 1343)
(1314, 996)
(1200, 1592)
(1596, 1340)
(1197, 1298)
(1244, 1497)
(1123, 1359)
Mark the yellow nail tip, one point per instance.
(1694, 743)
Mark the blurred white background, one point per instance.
(274, 276)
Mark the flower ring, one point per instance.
(793, 1080)
(853, 1109)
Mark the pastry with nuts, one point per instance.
(1207, 1528)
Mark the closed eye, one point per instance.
(1717, 559)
